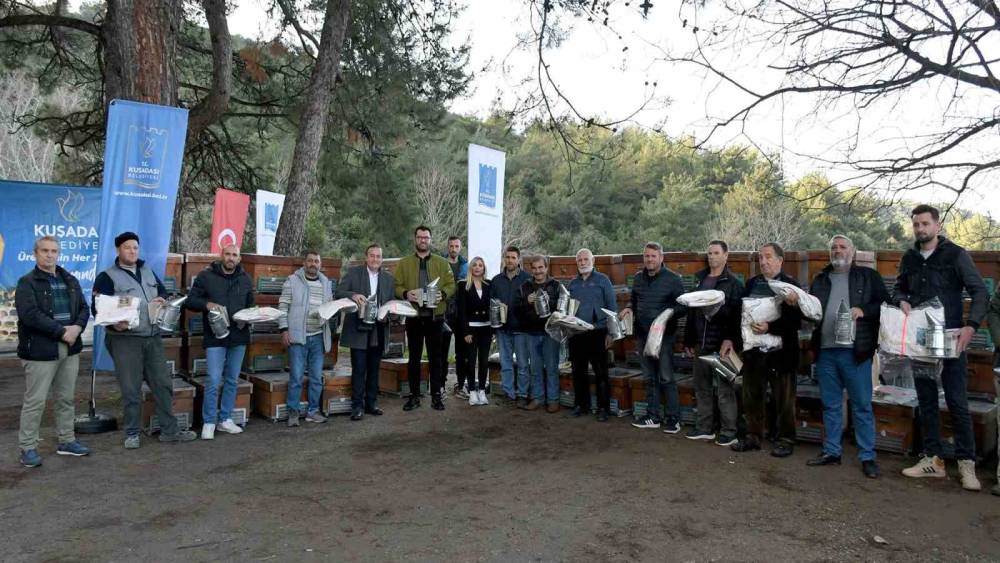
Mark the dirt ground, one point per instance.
(467, 484)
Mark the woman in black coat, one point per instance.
(473, 300)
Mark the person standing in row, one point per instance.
(543, 350)
(847, 365)
(510, 340)
(413, 274)
(138, 352)
(994, 324)
(654, 290)
(715, 334)
(935, 267)
(367, 341)
(51, 314)
(594, 291)
(224, 284)
(459, 269)
(771, 368)
(306, 335)
(473, 329)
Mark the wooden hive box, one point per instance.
(183, 406)
(621, 392)
(610, 265)
(631, 264)
(241, 408)
(686, 265)
(894, 425)
(809, 414)
(194, 263)
(270, 394)
(269, 272)
(980, 380)
(637, 389)
(688, 401)
(984, 428)
(173, 349)
(563, 268)
(337, 391)
(173, 276)
(742, 265)
(194, 362)
(393, 379)
(266, 352)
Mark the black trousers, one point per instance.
(760, 371)
(421, 330)
(364, 377)
(477, 357)
(460, 355)
(139, 358)
(588, 348)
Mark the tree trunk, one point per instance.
(312, 126)
(140, 44)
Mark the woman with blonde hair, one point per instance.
(474, 331)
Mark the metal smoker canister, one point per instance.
(542, 304)
(218, 321)
(844, 327)
(368, 312)
(496, 321)
(934, 338)
(169, 315)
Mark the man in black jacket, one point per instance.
(222, 284)
(655, 289)
(937, 267)
(843, 355)
(543, 350)
(714, 335)
(51, 314)
(772, 368)
(510, 340)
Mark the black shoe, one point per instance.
(436, 403)
(602, 415)
(412, 403)
(576, 412)
(374, 411)
(745, 445)
(357, 415)
(870, 468)
(782, 450)
(824, 459)
(521, 403)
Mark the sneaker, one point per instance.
(474, 398)
(725, 440)
(437, 403)
(995, 491)
(460, 392)
(695, 434)
(132, 442)
(30, 458)
(73, 448)
(671, 427)
(483, 398)
(870, 468)
(230, 427)
(293, 419)
(745, 445)
(533, 405)
(646, 422)
(180, 436)
(967, 470)
(412, 403)
(315, 417)
(927, 467)
(207, 431)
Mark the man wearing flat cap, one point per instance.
(138, 353)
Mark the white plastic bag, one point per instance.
(113, 309)
(328, 310)
(703, 298)
(903, 335)
(810, 306)
(398, 308)
(654, 340)
(760, 310)
(258, 315)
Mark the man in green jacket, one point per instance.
(413, 273)
(993, 319)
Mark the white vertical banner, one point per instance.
(486, 170)
(269, 205)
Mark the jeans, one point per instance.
(588, 348)
(708, 385)
(837, 371)
(762, 370)
(477, 356)
(543, 355)
(953, 381)
(364, 377)
(301, 357)
(511, 343)
(138, 358)
(660, 380)
(418, 331)
(223, 370)
(40, 376)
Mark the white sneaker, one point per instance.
(208, 432)
(927, 467)
(474, 398)
(230, 427)
(967, 469)
(483, 400)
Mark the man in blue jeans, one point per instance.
(222, 284)
(510, 340)
(307, 336)
(543, 350)
(844, 360)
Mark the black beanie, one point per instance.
(126, 236)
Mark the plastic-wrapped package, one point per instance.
(398, 308)
(258, 315)
(908, 335)
(810, 306)
(560, 327)
(900, 371)
(328, 310)
(113, 309)
(655, 338)
(703, 298)
(760, 310)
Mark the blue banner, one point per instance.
(143, 157)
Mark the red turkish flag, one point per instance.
(229, 219)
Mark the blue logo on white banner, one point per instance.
(142, 170)
(488, 186)
(31, 211)
(271, 214)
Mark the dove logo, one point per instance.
(70, 206)
(145, 155)
(271, 213)
(488, 186)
